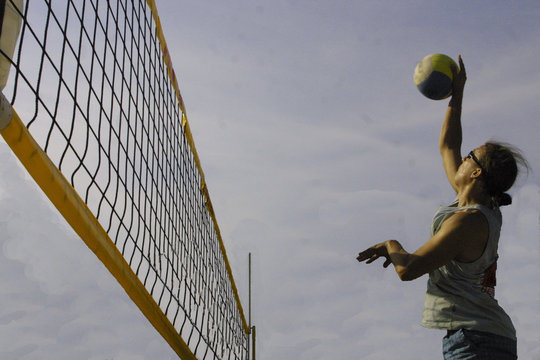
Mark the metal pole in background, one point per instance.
(249, 304)
(253, 344)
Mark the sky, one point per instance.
(315, 145)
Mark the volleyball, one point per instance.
(433, 76)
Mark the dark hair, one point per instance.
(501, 162)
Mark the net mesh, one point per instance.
(90, 82)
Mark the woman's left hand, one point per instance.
(373, 253)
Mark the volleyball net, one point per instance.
(93, 111)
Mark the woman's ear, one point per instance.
(476, 173)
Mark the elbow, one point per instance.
(406, 274)
(408, 266)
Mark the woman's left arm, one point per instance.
(455, 235)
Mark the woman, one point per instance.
(461, 255)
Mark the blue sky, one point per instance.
(315, 145)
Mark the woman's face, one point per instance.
(471, 167)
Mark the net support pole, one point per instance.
(251, 335)
(253, 342)
(6, 112)
(249, 303)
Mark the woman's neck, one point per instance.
(473, 195)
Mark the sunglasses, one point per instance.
(475, 159)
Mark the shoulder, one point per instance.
(468, 215)
(470, 222)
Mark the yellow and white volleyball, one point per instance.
(433, 76)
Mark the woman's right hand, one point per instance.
(459, 78)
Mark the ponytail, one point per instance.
(503, 199)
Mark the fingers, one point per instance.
(459, 79)
(373, 253)
(372, 259)
(457, 68)
(364, 255)
(370, 256)
(461, 66)
(361, 256)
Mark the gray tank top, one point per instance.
(462, 295)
